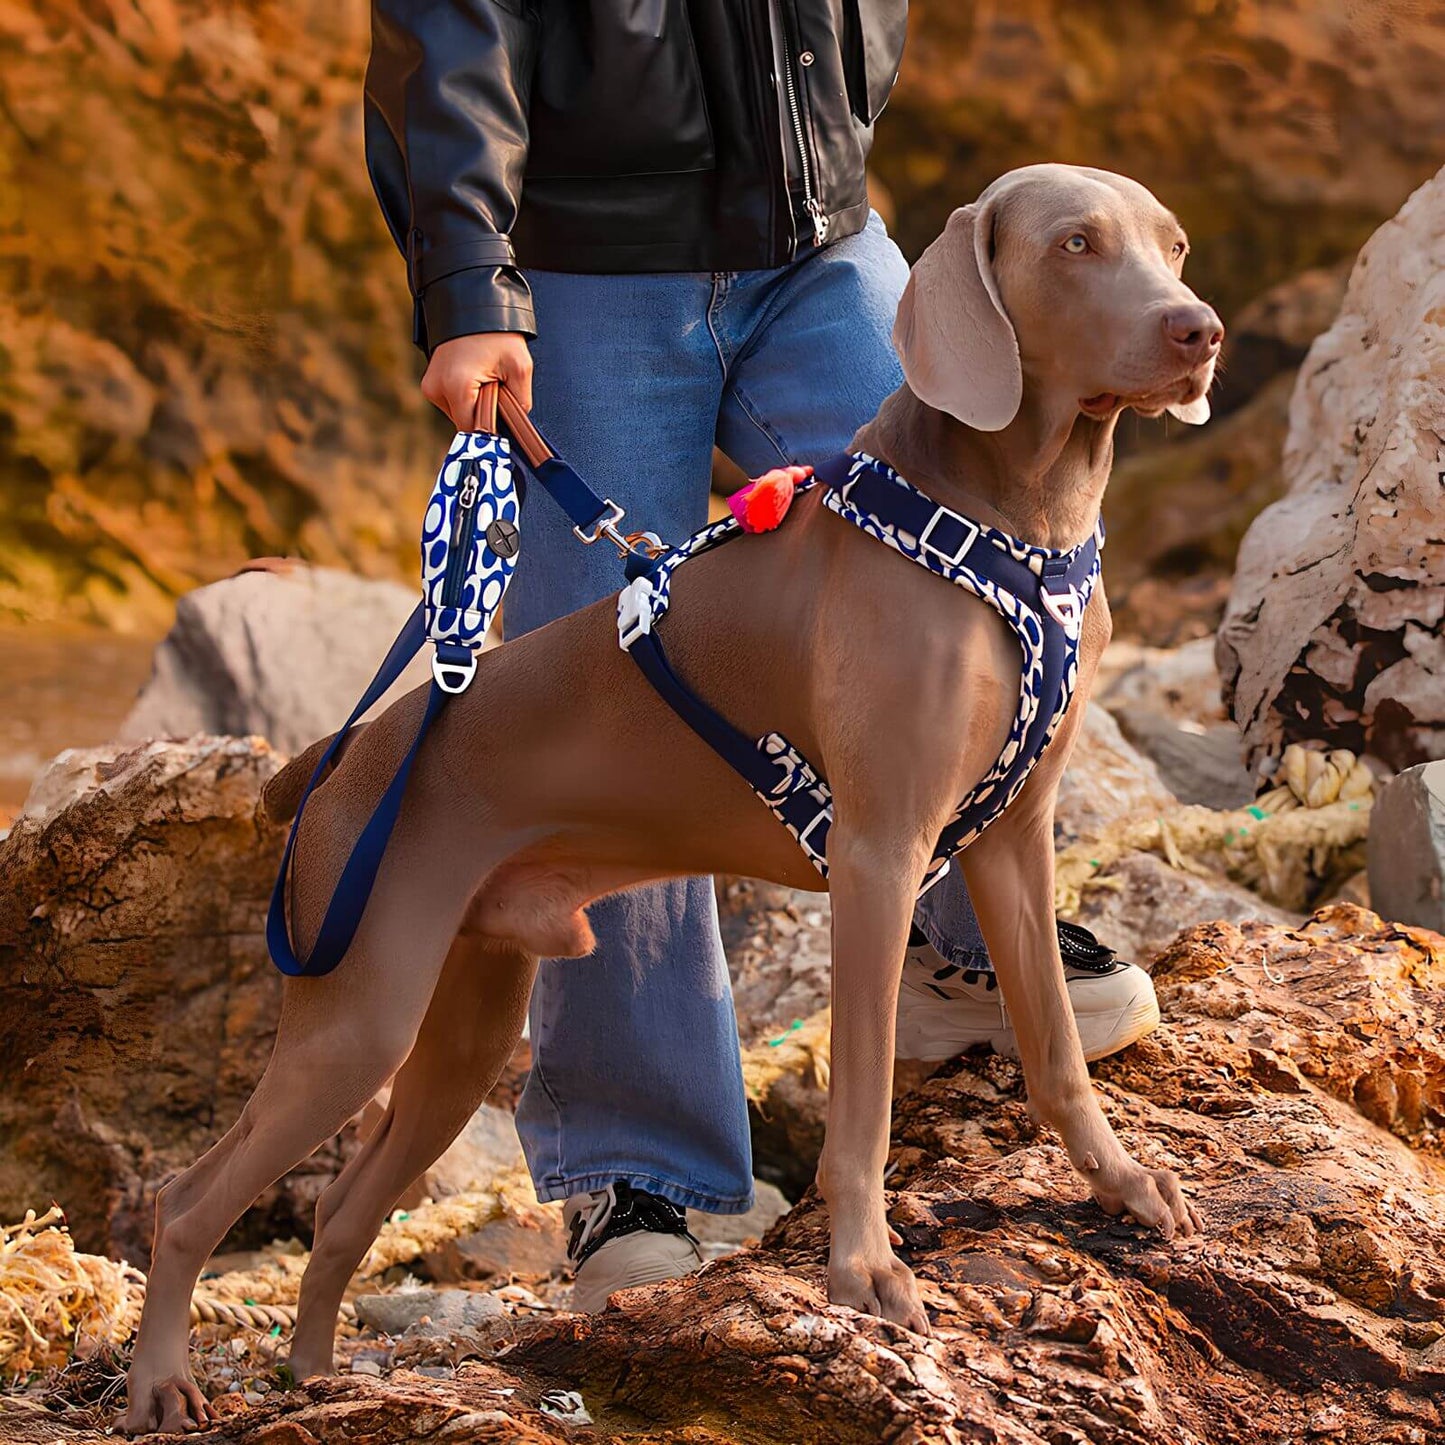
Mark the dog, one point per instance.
(1041, 313)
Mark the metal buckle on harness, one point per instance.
(634, 611)
(454, 675)
(604, 526)
(970, 536)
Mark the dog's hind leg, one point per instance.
(340, 1039)
(467, 1037)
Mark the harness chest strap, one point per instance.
(1041, 593)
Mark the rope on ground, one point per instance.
(56, 1301)
(1307, 829)
(800, 1049)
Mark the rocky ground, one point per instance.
(1296, 1087)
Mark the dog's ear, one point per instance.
(954, 338)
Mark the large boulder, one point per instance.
(207, 332)
(281, 653)
(1139, 904)
(1281, 131)
(140, 1004)
(1335, 629)
(1407, 847)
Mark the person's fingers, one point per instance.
(519, 376)
(462, 400)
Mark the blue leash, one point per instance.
(591, 517)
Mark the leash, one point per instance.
(450, 551)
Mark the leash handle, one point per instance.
(497, 402)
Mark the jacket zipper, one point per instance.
(795, 114)
(464, 525)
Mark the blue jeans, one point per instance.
(635, 1071)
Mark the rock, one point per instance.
(1197, 765)
(1296, 1086)
(531, 1248)
(237, 377)
(723, 1233)
(1175, 515)
(1140, 904)
(486, 1149)
(1271, 335)
(528, 1244)
(281, 654)
(1181, 498)
(1406, 850)
(1107, 780)
(140, 1001)
(1317, 123)
(1179, 683)
(1335, 630)
(429, 1312)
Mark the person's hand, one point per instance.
(458, 367)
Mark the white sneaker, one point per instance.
(944, 1009)
(620, 1237)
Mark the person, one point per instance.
(651, 221)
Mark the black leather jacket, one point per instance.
(615, 136)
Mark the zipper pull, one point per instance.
(820, 221)
(467, 496)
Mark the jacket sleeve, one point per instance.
(447, 93)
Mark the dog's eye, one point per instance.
(1077, 244)
(1179, 250)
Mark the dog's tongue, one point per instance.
(1099, 405)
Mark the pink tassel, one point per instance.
(763, 503)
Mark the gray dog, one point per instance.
(1042, 312)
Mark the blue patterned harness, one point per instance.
(1039, 592)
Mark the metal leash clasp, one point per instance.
(643, 544)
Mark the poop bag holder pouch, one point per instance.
(469, 543)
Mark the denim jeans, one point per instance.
(635, 1071)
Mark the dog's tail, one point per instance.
(281, 795)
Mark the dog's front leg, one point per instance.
(1010, 873)
(872, 889)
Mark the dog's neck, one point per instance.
(1041, 478)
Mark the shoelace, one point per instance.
(624, 1210)
(1078, 947)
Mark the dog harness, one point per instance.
(1041, 593)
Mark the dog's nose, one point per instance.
(1194, 329)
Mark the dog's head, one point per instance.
(1066, 281)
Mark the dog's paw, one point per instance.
(1154, 1198)
(884, 1287)
(172, 1406)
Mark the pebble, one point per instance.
(366, 1367)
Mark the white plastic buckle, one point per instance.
(454, 677)
(970, 536)
(1067, 608)
(634, 611)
